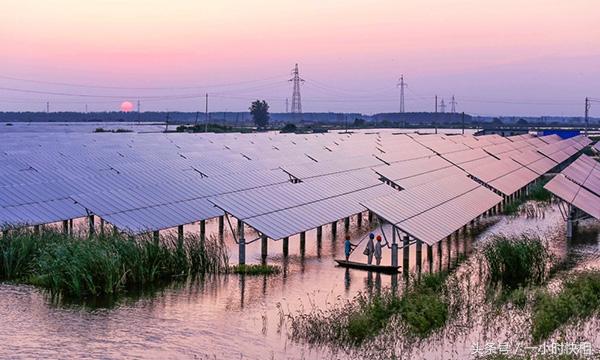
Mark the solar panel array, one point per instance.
(579, 185)
(146, 182)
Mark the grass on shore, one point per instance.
(103, 265)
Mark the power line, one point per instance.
(66, 84)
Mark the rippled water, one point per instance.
(216, 317)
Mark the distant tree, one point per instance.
(260, 113)
(497, 122)
(289, 128)
(522, 122)
(359, 122)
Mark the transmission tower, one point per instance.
(296, 99)
(453, 103)
(287, 106)
(402, 85)
(442, 106)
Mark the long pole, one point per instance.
(206, 115)
(587, 110)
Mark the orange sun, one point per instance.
(126, 106)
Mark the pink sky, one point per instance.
(534, 57)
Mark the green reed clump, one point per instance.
(106, 264)
(513, 207)
(422, 309)
(578, 299)
(539, 193)
(516, 261)
(255, 269)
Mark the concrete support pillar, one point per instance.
(333, 230)
(347, 224)
(302, 243)
(65, 227)
(439, 253)
(457, 246)
(241, 244)
(405, 255)
(91, 225)
(319, 234)
(180, 237)
(156, 237)
(394, 248)
(419, 257)
(286, 246)
(370, 217)
(263, 248)
(359, 219)
(70, 226)
(202, 230)
(430, 258)
(221, 225)
(101, 226)
(449, 242)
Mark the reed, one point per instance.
(421, 309)
(104, 265)
(578, 299)
(516, 261)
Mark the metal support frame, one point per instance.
(221, 225)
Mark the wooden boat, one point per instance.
(387, 269)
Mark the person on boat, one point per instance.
(348, 247)
(370, 248)
(378, 250)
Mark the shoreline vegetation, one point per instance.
(104, 265)
(515, 273)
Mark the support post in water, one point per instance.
(221, 225)
(405, 255)
(180, 237)
(333, 230)
(430, 258)
(302, 243)
(263, 248)
(156, 237)
(570, 223)
(286, 246)
(202, 230)
(419, 257)
(241, 243)
(91, 224)
(394, 247)
(457, 247)
(449, 241)
(439, 253)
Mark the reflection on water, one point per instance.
(227, 316)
